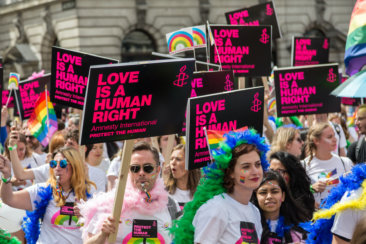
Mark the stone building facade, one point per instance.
(131, 29)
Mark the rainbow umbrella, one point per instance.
(355, 86)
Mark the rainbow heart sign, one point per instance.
(180, 41)
(199, 36)
(13, 81)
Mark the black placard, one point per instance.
(1, 85)
(143, 228)
(248, 233)
(67, 209)
(69, 75)
(28, 93)
(135, 100)
(309, 51)
(244, 49)
(224, 112)
(260, 14)
(306, 90)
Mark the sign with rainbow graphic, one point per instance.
(199, 36)
(180, 41)
(13, 81)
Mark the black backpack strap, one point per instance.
(172, 208)
(358, 147)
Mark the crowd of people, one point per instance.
(302, 181)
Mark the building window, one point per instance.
(136, 46)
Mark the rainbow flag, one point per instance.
(38, 124)
(212, 39)
(13, 81)
(272, 103)
(214, 137)
(199, 36)
(180, 41)
(355, 54)
(331, 173)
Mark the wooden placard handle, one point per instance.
(121, 186)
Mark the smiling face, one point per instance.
(177, 165)
(63, 173)
(327, 141)
(270, 198)
(294, 147)
(248, 172)
(143, 161)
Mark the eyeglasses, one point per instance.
(63, 163)
(148, 168)
(281, 171)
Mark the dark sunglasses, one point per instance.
(148, 168)
(30, 137)
(63, 163)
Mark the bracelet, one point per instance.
(6, 181)
(11, 148)
(312, 189)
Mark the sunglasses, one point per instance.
(148, 168)
(63, 163)
(30, 137)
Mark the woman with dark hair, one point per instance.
(220, 211)
(94, 157)
(280, 213)
(295, 177)
(181, 183)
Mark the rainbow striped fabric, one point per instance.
(355, 54)
(214, 137)
(37, 123)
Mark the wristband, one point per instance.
(11, 148)
(312, 189)
(6, 181)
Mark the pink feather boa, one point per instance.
(97, 209)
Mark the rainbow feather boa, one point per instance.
(319, 230)
(212, 184)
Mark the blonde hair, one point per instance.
(57, 141)
(282, 137)
(194, 176)
(315, 132)
(80, 183)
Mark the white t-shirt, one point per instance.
(26, 163)
(345, 222)
(40, 158)
(181, 196)
(330, 169)
(56, 227)
(136, 226)
(113, 169)
(341, 142)
(225, 220)
(42, 173)
(104, 165)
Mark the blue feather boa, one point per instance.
(31, 222)
(319, 231)
(281, 228)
